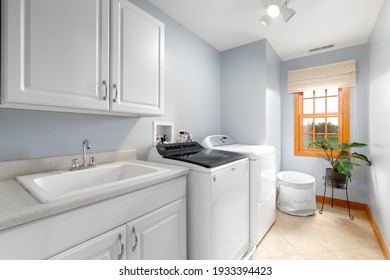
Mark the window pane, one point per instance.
(319, 116)
(333, 104)
(320, 125)
(308, 94)
(333, 140)
(307, 139)
(332, 91)
(318, 137)
(320, 92)
(333, 125)
(320, 105)
(307, 125)
(308, 106)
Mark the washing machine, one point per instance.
(217, 200)
(262, 175)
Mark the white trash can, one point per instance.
(296, 193)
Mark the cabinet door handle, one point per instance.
(120, 256)
(135, 240)
(115, 86)
(106, 90)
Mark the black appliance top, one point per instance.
(195, 153)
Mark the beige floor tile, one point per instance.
(260, 254)
(305, 243)
(277, 246)
(327, 236)
(368, 253)
(335, 241)
(293, 257)
(320, 256)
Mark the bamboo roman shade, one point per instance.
(341, 74)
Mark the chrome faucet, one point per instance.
(84, 147)
(92, 162)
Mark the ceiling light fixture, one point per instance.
(274, 9)
(266, 20)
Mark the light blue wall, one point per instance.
(251, 95)
(192, 94)
(379, 116)
(272, 103)
(358, 189)
(243, 88)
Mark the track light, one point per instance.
(274, 9)
(287, 12)
(266, 20)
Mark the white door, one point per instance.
(159, 235)
(56, 53)
(137, 60)
(230, 212)
(108, 246)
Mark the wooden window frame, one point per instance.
(344, 126)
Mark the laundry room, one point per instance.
(213, 143)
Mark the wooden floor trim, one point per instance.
(379, 237)
(361, 207)
(342, 203)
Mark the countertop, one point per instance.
(18, 206)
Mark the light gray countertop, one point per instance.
(18, 206)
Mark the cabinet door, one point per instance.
(56, 53)
(159, 235)
(137, 60)
(108, 246)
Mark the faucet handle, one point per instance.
(92, 161)
(75, 164)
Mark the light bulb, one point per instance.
(273, 11)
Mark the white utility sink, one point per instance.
(60, 184)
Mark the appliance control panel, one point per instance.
(176, 149)
(218, 140)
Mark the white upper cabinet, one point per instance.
(137, 60)
(57, 57)
(56, 53)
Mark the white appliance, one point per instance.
(262, 189)
(217, 200)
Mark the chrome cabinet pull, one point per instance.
(135, 240)
(106, 90)
(116, 93)
(120, 256)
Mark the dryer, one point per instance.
(217, 200)
(262, 175)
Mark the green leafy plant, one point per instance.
(342, 162)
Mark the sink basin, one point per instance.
(60, 184)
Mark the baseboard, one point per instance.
(381, 241)
(361, 207)
(342, 203)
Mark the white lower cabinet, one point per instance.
(159, 235)
(108, 246)
(149, 223)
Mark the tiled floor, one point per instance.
(327, 236)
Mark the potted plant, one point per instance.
(341, 164)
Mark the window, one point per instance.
(320, 114)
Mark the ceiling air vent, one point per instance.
(321, 48)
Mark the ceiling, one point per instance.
(226, 24)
